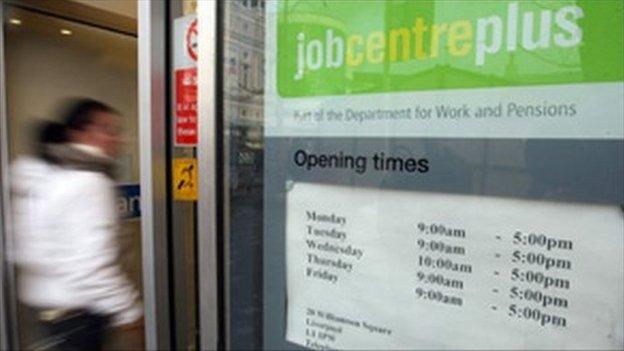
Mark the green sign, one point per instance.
(356, 47)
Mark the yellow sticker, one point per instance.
(185, 180)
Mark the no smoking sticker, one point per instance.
(191, 40)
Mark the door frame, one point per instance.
(208, 155)
(4, 328)
(9, 328)
(152, 106)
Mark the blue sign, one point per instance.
(129, 201)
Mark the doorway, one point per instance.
(49, 57)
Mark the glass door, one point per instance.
(243, 59)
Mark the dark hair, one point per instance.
(47, 133)
(80, 112)
(75, 114)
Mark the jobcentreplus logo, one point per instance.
(482, 37)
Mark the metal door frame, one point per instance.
(152, 76)
(208, 159)
(4, 330)
(9, 328)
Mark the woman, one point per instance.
(66, 228)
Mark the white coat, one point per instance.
(65, 241)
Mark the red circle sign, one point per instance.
(191, 40)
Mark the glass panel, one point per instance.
(48, 60)
(243, 145)
(428, 167)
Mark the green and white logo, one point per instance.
(354, 47)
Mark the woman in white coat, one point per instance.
(65, 236)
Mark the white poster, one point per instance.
(383, 269)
